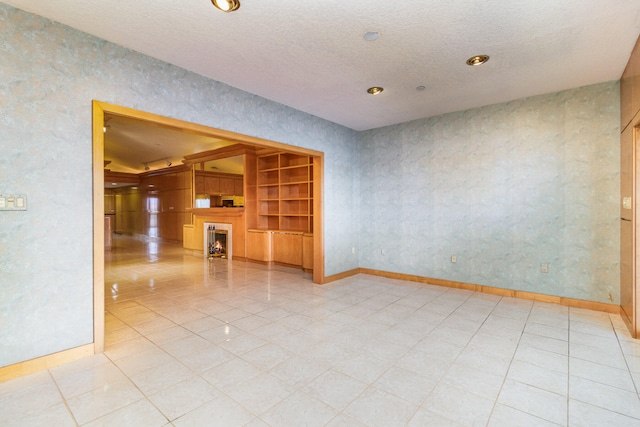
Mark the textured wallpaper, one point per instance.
(504, 188)
(49, 75)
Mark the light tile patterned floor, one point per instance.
(192, 342)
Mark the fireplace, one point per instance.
(217, 240)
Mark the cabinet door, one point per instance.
(287, 248)
(259, 245)
(226, 186)
(212, 185)
(238, 187)
(200, 189)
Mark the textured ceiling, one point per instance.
(311, 55)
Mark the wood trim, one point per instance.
(318, 219)
(342, 275)
(45, 362)
(201, 129)
(98, 227)
(551, 299)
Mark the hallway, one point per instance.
(193, 342)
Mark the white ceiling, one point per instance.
(311, 54)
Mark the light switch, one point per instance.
(626, 202)
(13, 203)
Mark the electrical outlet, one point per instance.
(610, 297)
(381, 251)
(544, 268)
(454, 259)
(353, 250)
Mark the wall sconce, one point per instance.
(226, 5)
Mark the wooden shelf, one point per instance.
(285, 192)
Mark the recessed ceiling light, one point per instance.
(226, 5)
(371, 36)
(375, 90)
(477, 60)
(420, 87)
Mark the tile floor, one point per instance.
(191, 342)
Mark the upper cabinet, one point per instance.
(630, 88)
(218, 184)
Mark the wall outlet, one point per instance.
(353, 250)
(544, 268)
(454, 259)
(381, 251)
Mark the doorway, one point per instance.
(98, 126)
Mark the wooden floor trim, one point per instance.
(342, 275)
(45, 362)
(568, 302)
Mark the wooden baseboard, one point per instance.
(569, 302)
(342, 275)
(45, 362)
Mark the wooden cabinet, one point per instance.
(287, 247)
(307, 251)
(259, 245)
(218, 184)
(630, 88)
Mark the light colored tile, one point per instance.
(614, 377)
(127, 348)
(545, 379)
(57, 415)
(335, 389)
(612, 357)
(343, 420)
(103, 401)
(205, 358)
(169, 334)
(532, 400)
(220, 411)
(544, 359)
(446, 400)
(377, 408)
(540, 342)
(361, 367)
(485, 362)
(506, 416)
(242, 344)
(481, 383)
(424, 418)
(183, 397)
(547, 331)
(31, 401)
(90, 379)
(300, 409)
(604, 396)
(267, 356)
(299, 371)
(259, 393)
(231, 372)
(142, 361)
(138, 414)
(162, 376)
(584, 415)
(408, 385)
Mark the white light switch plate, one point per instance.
(16, 202)
(626, 202)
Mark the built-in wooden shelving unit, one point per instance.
(285, 192)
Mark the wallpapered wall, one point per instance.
(49, 74)
(505, 188)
